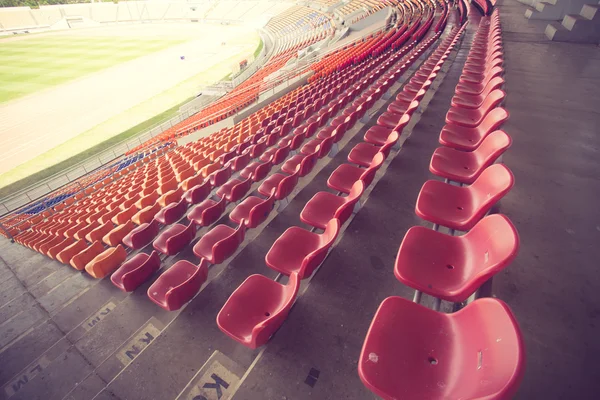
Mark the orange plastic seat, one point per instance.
(47, 245)
(124, 216)
(147, 200)
(178, 285)
(256, 309)
(300, 251)
(460, 208)
(106, 262)
(413, 352)
(116, 235)
(172, 196)
(80, 260)
(146, 215)
(65, 255)
(99, 232)
(54, 250)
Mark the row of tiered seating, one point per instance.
(259, 306)
(411, 351)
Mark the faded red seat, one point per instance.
(235, 189)
(240, 162)
(207, 212)
(461, 207)
(256, 170)
(135, 271)
(300, 251)
(198, 193)
(178, 285)
(220, 176)
(106, 262)
(345, 175)
(465, 167)
(275, 155)
(473, 117)
(146, 214)
(363, 153)
(253, 210)
(172, 212)
(413, 352)
(324, 206)
(57, 248)
(453, 267)
(473, 101)
(306, 163)
(142, 235)
(220, 243)
(477, 88)
(256, 309)
(282, 184)
(116, 235)
(175, 238)
(468, 139)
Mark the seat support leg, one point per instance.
(417, 297)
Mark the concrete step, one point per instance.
(590, 11)
(555, 31)
(570, 20)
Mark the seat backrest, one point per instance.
(311, 129)
(198, 193)
(179, 241)
(259, 212)
(308, 162)
(492, 121)
(492, 147)
(325, 146)
(339, 131)
(345, 210)
(211, 214)
(261, 171)
(287, 184)
(316, 257)
(491, 101)
(225, 247)
(493, 183)
(142, 235)
(369, 174)
(177, 278)
(491, 348)
(494, 83)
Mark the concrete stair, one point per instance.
(553, 10)
(580, 28)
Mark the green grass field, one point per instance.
(38, 63)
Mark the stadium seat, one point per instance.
(460, 208)
(413, 352)
(197, 193)
(363, 153)
(220, 176)
(142, 235)
(80, 260)
(147, 200)
(300, 251)
(172, 212)
(54, 250)
(220, 243)
(99, 232)
(468, 139)
(465, 167)
(116, 235)
(283, 184)
(146, 214)
(234, 189)
(68, 252)
(47, 245)
(324, 206)
(253, 210)
(470, 118)
(87, 228)
(106, 262)
(135, 271)
(172, 196)
(257, 170)
(178, 285)
(473, 101)
(207, 212)
(306, 163)
(256, 309)
(175, 238)
(453, 267)
(345, 175)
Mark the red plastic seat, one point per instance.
(300, 251)
(178, 285)
(473, 101)
(172, 212)
(198, 193)
(461, 207)
(324, 206)
(256, 170)
(345, 175)
(363, 153)
(465, 167)
(468, 139)
(220, 243)
(413, 352)
(256, 309)
(142, 235)
(283, 185)
(473, 117)
(135, 271)
(235, 189)
(306, 163)
(453, 267)
(175, 238)
(253, 210)
(207, 212)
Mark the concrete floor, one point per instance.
(66, 336)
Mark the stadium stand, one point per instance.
(189, 226)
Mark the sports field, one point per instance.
(65, 92)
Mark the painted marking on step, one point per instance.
(216, 380)
(23, 379)
(98, 316)
(138, 343)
